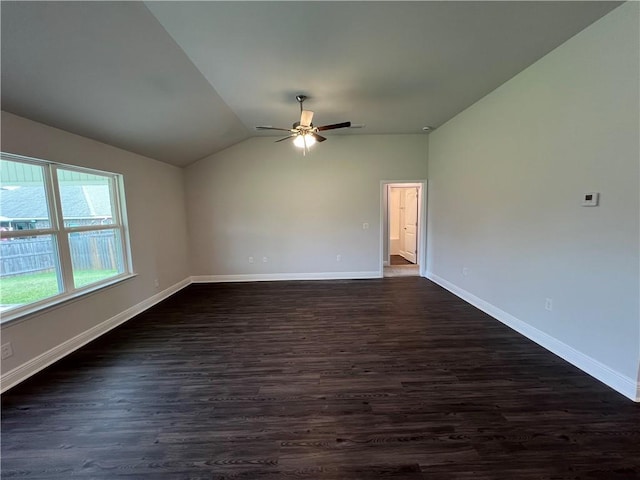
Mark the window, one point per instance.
(62, 233)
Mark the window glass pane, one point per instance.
(86, 198)
(23, 200)
(29, 271)
(95, 256)
(33, 266)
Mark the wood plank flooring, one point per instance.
(399, 260)
(366, 379)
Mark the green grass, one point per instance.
(30, 288)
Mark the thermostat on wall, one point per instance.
(590, 199)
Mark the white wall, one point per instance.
(506, 178)
(264, 199)
(394, 221)
(157, 219)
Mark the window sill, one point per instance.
(23, 313)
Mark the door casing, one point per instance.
(421, 241)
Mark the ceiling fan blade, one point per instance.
(305, 118)
(273, 128)
(334, 126)
(319, 138)
(286, 138)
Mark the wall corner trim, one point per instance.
(269, 277)
(612, 378)
(33, 366)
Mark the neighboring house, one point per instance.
(24, 207)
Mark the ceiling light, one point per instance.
(300, 140)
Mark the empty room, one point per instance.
(320, 240)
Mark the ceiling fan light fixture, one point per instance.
(304, 133)
(300, 140)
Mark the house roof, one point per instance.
(78, 201)
(177, 81)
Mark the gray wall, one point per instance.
(264, 199)
(506, 179)
(156, 212)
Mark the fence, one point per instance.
(89, 251)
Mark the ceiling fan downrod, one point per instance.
(301, 99)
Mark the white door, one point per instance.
(410, 225)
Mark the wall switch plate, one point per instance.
(265, 259)
(590, 199)
(365, 226)
(250, 259)
(7, 351)
(338, 258)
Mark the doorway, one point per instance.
(402, 229)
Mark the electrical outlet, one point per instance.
(338, 258)
(7, 350)
(265, 259)
(250, 259)
(465, 271)
(548, 304)
(365, 226)
(156, 283)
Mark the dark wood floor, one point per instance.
(399, 260)
(364, 379)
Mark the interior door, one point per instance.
(410, 226)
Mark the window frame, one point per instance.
(60, 235)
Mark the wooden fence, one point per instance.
(89, 251)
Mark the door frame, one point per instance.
(421, 241)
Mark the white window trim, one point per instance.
(60, 234)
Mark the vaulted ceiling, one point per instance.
(177, 81)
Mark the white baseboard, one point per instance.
(33, 366)
(621, 383)
(268, 277)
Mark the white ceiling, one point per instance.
(177, 81)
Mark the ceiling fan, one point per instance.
(303, 132)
